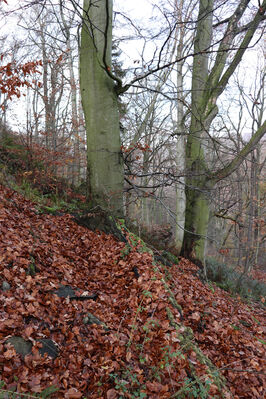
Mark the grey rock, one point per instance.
(24, 347)
(91, 319)
(102, 221)
(21, 346)
(5, 286)
(64, 291)
(49, 347)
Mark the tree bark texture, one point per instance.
(206, 89)
(100, 105)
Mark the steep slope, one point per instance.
(118, 324)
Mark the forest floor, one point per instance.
(126, 332)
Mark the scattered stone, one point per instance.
(102, 221)
(84, 297)
(91, 319)
(136, 272)
(162, 259)
(5, 286)
(21, 346)
(49, 347)
(65, 291)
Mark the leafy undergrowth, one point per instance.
(250, 286)
(30, 171)
(140, 344)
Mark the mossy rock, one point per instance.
(24, 347)
(90, 319)
(21, 346)
(101, 221)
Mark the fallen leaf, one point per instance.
(73, 393)
(111, 394)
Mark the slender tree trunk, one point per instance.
(180, 161)
(258, 206)
(75, 172)
(197, 206)
(249, 258)
(74, 120)
(240, 238)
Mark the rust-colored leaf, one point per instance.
(73, 393)
(111, 394)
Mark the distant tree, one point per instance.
(243, 206)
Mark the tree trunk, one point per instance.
(206, 89)
(180, 160)
(100, 105)
(197, 206)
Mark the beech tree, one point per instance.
(100, 105)
(207, 87)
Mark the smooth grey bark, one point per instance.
(206, 89)
(180, 161)
(197, 207)
(100, 106)
(76, 161)
(184, 41)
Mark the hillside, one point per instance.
(101, 318)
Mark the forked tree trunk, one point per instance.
(206, 89)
